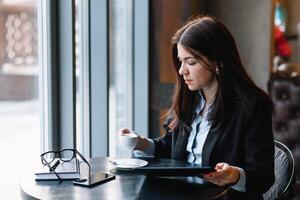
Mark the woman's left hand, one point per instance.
(224, 175)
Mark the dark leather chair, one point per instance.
(284, 185)
(284, 90)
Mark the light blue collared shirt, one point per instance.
(200, 130)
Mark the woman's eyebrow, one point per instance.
(186, 58)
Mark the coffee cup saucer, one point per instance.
(128, 163)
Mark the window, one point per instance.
(82, 76)
(120, 71)
(19, 92)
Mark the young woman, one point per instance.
(219, 117)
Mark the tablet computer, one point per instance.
(169, 167)
(174, 171)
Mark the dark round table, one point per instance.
(125, 186)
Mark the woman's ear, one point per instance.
(217, 70)
(219, 66)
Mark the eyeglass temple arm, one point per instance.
(52, 169)
(85, 160)
(48, 165)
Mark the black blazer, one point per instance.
(246, 141)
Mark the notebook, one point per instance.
(65, 170)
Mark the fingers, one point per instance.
(221, 176)
(214, 180)
(219, 166)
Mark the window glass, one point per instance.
(120, 71)
(19, 96)
(82, 76)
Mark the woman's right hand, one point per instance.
(141, 144)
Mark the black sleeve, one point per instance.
(259, 146)
(163, 145)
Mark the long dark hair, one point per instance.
(205, 36)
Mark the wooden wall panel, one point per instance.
(166, 16)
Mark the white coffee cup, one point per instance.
(129, 140)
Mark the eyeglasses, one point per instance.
(65, 155)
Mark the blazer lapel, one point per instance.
(181, 139)
(208, 146)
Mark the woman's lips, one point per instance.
(188, 81)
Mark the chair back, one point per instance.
(284, 169)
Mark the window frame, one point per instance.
(58, 74)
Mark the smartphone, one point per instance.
(95, 179)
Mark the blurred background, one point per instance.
(73, 72)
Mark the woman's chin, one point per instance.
(192, 88)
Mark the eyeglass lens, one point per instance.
(67, 155)
(49, 157)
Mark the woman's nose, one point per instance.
(182, 70)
